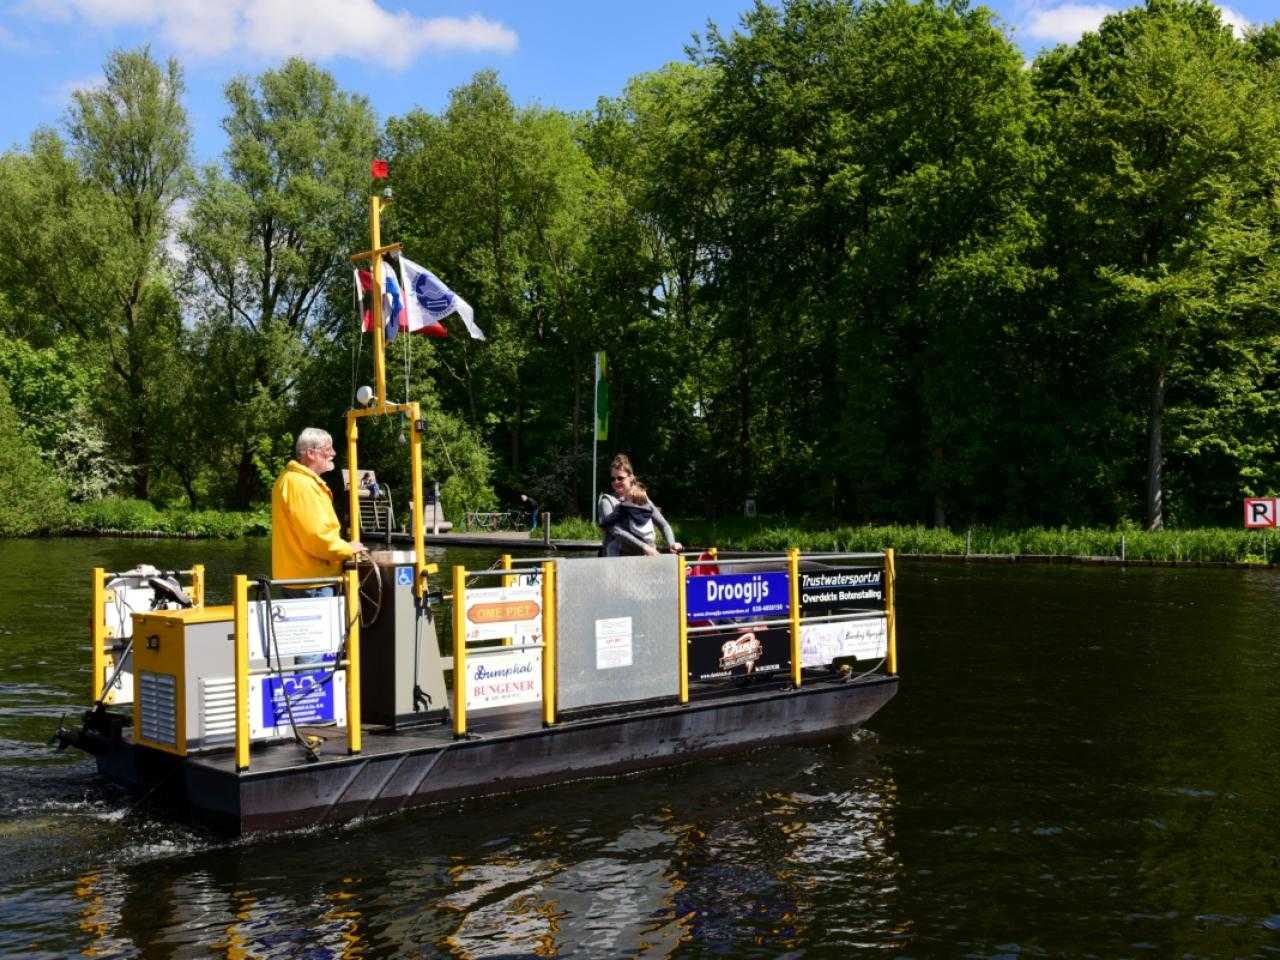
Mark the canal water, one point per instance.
(1081, 762)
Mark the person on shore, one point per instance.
(528, 503)
(305, 540)
(628, 516)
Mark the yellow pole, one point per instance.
(353, 662)
(353, 486)
(419, 517)
(548, 643)
(891, 614)
(506, 582)
(682, 628)
(793, 569)
(375, 273)
(459, 651)
(197, 584)
(241, 601)
(98, 633)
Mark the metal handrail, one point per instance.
(351, 630)
(758, 624)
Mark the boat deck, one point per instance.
(502, 752)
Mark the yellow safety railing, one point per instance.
(682, 638)
(100, 634)
(548, 576)
(891, 614)
(459, 651)
(793, 586)
(351, 663)
(548, 643)
(794, 620)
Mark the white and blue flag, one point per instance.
(429, 301)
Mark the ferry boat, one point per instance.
(270, 713)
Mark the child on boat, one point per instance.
(630, 525)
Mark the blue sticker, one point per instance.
(309, 695)
(404, 576)
(737, 595)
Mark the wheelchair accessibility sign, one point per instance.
(404, 576)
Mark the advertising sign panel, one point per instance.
(300, 626)
(314, 696)
(738, 653)
(498, 613)
(761, 596)
(503, 677)
(1260, 512)
(823, 591)
(820, 643)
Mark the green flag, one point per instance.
(602, 397)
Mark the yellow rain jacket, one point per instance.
(304, 528)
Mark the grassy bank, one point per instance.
(122, 517)
(139, 518)
(1208, 544)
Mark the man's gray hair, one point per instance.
(312, 438)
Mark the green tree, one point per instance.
(1161, 205)
(265, 238)
(500, 202)
(31, 498)
(83, 228)
(875, 170)
(52, 394)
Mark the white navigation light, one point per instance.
(364, 396)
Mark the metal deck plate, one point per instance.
(617, 622)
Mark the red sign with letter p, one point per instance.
(1259, 512)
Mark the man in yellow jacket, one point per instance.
(305, 540)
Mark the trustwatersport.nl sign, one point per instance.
(758, 595)
(822, 591)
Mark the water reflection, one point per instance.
(737, 857)
(1079, 762)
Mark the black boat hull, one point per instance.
(282, 791)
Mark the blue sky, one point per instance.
(402, 53)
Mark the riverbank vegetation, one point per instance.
(851, 260)
(1129, 543)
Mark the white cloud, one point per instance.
(1065, 23)
(60, 95)
(318, 30)
(1238, 22)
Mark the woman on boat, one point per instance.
(628, 517)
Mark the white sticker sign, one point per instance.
(613, 643)
(303, 625)
(499, 613)
(503, 677)
(1259, 512)
(820, 643)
